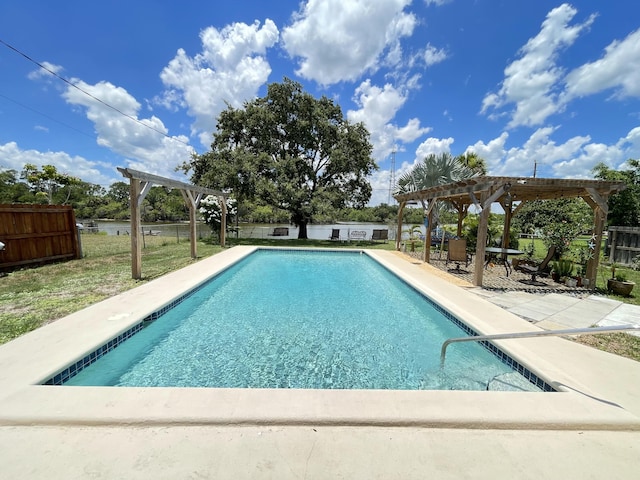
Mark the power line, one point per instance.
(46, 116)
(90, 95)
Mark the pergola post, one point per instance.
(507, 224)
(136, 249)
(192, 202)
(138, 190)
(427, 237)
(399, 233)
(462, 213)
(592, 263)
(600, 205)
(483, 226)
(223, 220)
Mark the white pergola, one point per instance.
(512, 193)
(139, 185)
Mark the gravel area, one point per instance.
(494, 277)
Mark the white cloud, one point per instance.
(41, 73)
(433, 146)
(337, 40)
(492, 152)
(531, 82)
(539, 152)
(230, 69)
(14, 158)
(614, 156)
(617, 69)
(633, 141)
(574, 158)
(432, 55)
(145, 149)
(585, 159)
(378, 107)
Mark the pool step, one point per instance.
(511, 382)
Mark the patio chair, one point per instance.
(335, 234)
(541, 268)
(380, 235)
(458, 253)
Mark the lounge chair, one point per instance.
(541, 268)
(335, 234)
(380, 235)
(458, 253)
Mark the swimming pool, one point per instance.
(298, 319)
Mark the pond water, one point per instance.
(249, 230)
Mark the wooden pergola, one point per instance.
(140, 183)
(511, 193)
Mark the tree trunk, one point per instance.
(302, 231)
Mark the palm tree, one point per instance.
(437, 170)
(474, 162)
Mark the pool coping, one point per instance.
(596, 389)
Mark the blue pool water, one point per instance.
(299, 319)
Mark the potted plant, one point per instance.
(414, 234)
(618, 283)
(582, 257)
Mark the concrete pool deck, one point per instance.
(589, 429)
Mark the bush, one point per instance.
(212, 213)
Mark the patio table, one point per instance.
(493, 252)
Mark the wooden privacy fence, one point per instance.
(623, 244)
(35, 234)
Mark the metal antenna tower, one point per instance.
(392, 174)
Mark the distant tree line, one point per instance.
(90, 201)
(561, 218)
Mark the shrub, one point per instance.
(212, 213)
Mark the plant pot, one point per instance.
(571, 282)
(620, 288)
(556, 277)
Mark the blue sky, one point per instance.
(519, 83)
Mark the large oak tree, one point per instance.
(624, 207)
(291, 151)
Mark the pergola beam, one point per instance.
(140, 184)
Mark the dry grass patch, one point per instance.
(623, 344)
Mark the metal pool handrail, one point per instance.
(544, 333)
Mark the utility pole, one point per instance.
(392, 174)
